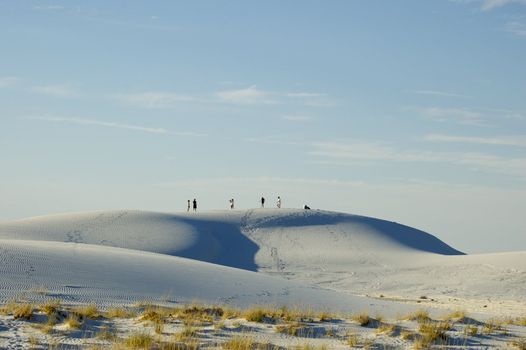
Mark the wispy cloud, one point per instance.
(152, 99)
(306, 94)
(246, 96)
(492, 4)
(517, 141)
(8, 81)
(58, 90)
(82, 121)
(438, 93)
(299, 118)
(516, 27)
(48, 8)
(464, 116)
(345, 153)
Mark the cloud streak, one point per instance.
(348, 153)
(437, 93)
(516, 141)
(247, 96)
(153, 99)
(55, 90)
(463, 116)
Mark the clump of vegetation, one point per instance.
(120, 312)
(387, 329)
(471, 330)
(491, 326)
(23, 311)
(352, 339)
(73, 321)
(239, 343)
(294, 329)
(88, 311)
(139, 340)
(362, 318)
(187, 333)
(407, 335)
(419, 316)
(432, 333)
(106, 334)
(455, 315)
(519, 344)
(50, 307)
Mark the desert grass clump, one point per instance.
(455, 315)
(491, 326)
(362, 319)
(255, 315)
(239, 343)
(23, 311)
(520, 321)
(120, 312)
(186, 334)
(73, 321)
(87, 311)
(312, 347)
(139, 340)
(519, 344)
(325, 316)
(407, 335)
(352, 339)
(419, 316)
(107, 334)
(471, 330)
(294, 329)
(50, 307)
(432, 333)
(387, 329)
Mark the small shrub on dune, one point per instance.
(239, 343)
(362, 318)
(407, 335)
(73, 321)
(312, 347)
(419, 316)
(187, 333)
(387, 329)
(352, 339)
(455, 316)
(293, 329)
(23, 311)
(325, 316)
(432, 333)
(521, 321)
(491, 326)
(50, 307)
(519, 344)
(472, 331)
(106, 334)
(255, 315)
(120, 312)
(88, 311)
(139, 340)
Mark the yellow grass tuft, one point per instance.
(88, 311)
(120, 312)
(187, 333)
(362, 318)
(50, 307)
(139, 340)
(23, 311)
(239, 343)
(73, 321)
(419, 316)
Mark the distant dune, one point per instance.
(289, 256)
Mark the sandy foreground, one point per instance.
(330, 268)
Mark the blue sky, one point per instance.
(411, 111)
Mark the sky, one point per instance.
(411, 111)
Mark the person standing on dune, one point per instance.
(279, 202)
(188, 208)
(262, 202)
(231, 203)
(195, 204)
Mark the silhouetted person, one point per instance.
(279, 202)
(188, 208)
(195, 204)
(262, 202)
(306, 207)
(231, 203)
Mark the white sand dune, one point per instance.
(125, 255)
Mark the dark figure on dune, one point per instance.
(195, 204)
(262, 202)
